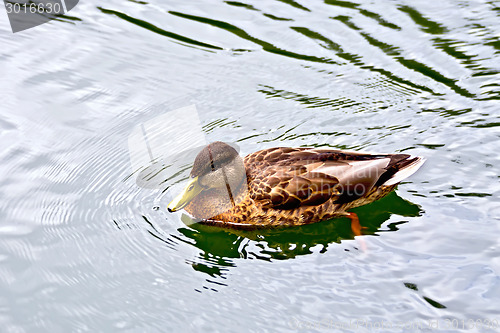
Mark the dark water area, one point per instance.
(84, 248)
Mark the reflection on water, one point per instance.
(83, 247)
(220, 248)
(348, 14)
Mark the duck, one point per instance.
(285, 187)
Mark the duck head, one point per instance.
(218, 170)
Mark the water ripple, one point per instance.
(84, 247)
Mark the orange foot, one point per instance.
(355, 226)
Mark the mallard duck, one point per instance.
(287, 186)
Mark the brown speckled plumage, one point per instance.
(296, 186)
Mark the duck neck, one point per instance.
(214, 201)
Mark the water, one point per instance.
(83, 248)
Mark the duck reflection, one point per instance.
(220, 246)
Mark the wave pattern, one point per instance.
(440, 70)
(84, 247)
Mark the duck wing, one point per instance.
(288, 178)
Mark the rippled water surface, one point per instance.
(84, 248)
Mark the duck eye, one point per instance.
(190, 188)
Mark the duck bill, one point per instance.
(192, 189)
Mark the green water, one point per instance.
(84, 248)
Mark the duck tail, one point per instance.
(400, 167)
